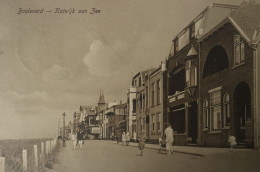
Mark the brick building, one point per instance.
(182, 95)
(229, 78)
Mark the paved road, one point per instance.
(102, 156)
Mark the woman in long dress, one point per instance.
(123, 138)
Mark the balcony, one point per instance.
(177, 96)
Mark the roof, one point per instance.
(214, 15)
(247, 18)
(101, 99)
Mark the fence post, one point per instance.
(46, 148)
(2, 164)
(42, 148)
(35, 157)
(24, 160)
(50, 147)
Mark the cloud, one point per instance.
(103, 58)
(56, 73)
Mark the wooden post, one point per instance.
(35, 157)
(42, 148)
(46, 148)
(2, 164)
(50, 147)
(24, 160)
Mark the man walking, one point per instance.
(169, 138)
(80, 138)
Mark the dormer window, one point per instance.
(176, 42)
(239, 50)
(192, 31)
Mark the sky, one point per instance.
(52, 63)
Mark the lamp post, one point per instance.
(74, 123)
(63, 139)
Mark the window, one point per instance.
(172, 50)
(152, 94)
(215, 108)
(134, 106)
(153, 122)
(192, 31)
(140, 102)
(141, 122)
(239, 50)
(146, 96)
(176, 45)
(143, 101)
(226, 109)
(158, 122)
(158, 93)
(117, 111)
(139, 83)
(191, 73)
(206, 114)
(122, 112)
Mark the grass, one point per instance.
(12, 151)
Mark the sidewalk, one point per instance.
(192, 150)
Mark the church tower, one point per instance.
(101, 100)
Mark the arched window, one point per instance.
(216, 61)
(226, 109)
(206, 114)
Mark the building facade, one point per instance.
(228, 79)
(183, 94)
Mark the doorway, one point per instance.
(193, 122)
(147, 121)
(242, 110)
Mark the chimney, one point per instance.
(120, 102)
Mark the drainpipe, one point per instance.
(198, 102)
(256, 111)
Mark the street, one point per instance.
(100, 156)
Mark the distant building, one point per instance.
(115, 115)
(137, 98)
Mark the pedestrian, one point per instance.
(80, 138)
(74, 140)
(123, 138)
(169, 138)
(117, 136)
(141, 143)
(127, 138)
(134, 136)
(232, 142)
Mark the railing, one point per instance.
(26, 156)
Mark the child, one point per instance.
(141, 142)
(232, 142)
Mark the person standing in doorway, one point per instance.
(169, 138)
